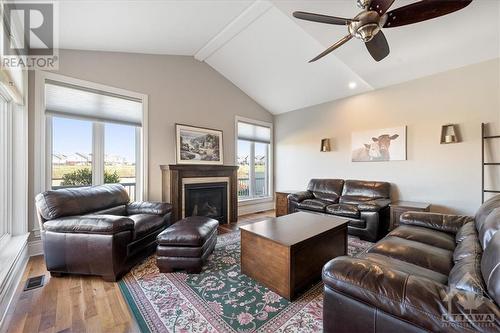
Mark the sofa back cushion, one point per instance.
(490, 267)
(79, 201)
(326, 189)
(489, 227)
(366, 189)
(485, 209)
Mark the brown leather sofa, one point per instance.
(96, 230)
(434, 273)
(365, 203)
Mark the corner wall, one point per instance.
(448, 176)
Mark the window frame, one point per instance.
(270, 166)
(43, 134)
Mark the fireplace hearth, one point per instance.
(206, 199)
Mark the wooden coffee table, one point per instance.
(287, 253)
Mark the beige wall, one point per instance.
(180, 90)
(448, 176)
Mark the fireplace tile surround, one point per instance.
(175, 177)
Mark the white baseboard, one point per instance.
(12, 281)
(254, 208)
(35, 248)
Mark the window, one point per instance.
(253, 158)
(5, 168)
(95, 137)
(120, 143)
(71, 152)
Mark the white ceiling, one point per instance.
(263, 50)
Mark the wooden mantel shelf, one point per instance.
(173, 174)
(198, 167)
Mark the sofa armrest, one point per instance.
(146, 207)
(374, 205)
(90, 224)
(441, 222)
(300, 196)
(410, 298)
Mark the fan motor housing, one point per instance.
(365, 26)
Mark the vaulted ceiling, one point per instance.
(264, 51)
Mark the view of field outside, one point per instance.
(260, 163)
(72, 153)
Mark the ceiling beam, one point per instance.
(249, 15)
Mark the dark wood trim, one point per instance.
(173, 174)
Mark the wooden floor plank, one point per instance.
(77, 303)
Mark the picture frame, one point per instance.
(379, 145)
(198, 145)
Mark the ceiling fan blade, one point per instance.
(331, 48)
(322, 18)
(423, 10)
(378, 46)
(380, 6)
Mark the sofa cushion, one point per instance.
(489, 227)
(146, 207)
(469, 247)
(90, 224)
(486, 208)
(424, 235)
(80, 201)
(466, 275)
(369, 189)
(343, 210)
(417, 253)
(118, 211)
(490, 267)
(404, 266)
(146, 223)
(353, 199)
(465, 231)
(326, 189)
(314, 204)
(191, 231)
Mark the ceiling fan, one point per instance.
(367, 25)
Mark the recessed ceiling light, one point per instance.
(352, 85)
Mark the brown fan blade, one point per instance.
(380, 6)
(322, 18)
(378, 46)
(423, 10)
(331, 48)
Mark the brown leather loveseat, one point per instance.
(434, 273)
(96, 230)
(365, 203)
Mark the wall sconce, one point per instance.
(325, 145)
(450, 134)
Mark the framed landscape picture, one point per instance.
(198, 145)
(387, 144)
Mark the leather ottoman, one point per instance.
(186, 244)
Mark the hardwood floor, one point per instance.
(79, 303)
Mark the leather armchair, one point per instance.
(364, 203)
(431, 274)
(100, 222)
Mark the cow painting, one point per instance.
(379, 145)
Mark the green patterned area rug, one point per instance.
(220, 299)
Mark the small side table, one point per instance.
(282, 202)
(400, 207)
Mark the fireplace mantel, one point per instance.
(172, 183)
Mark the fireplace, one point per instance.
(179, 179)
(206, 199)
